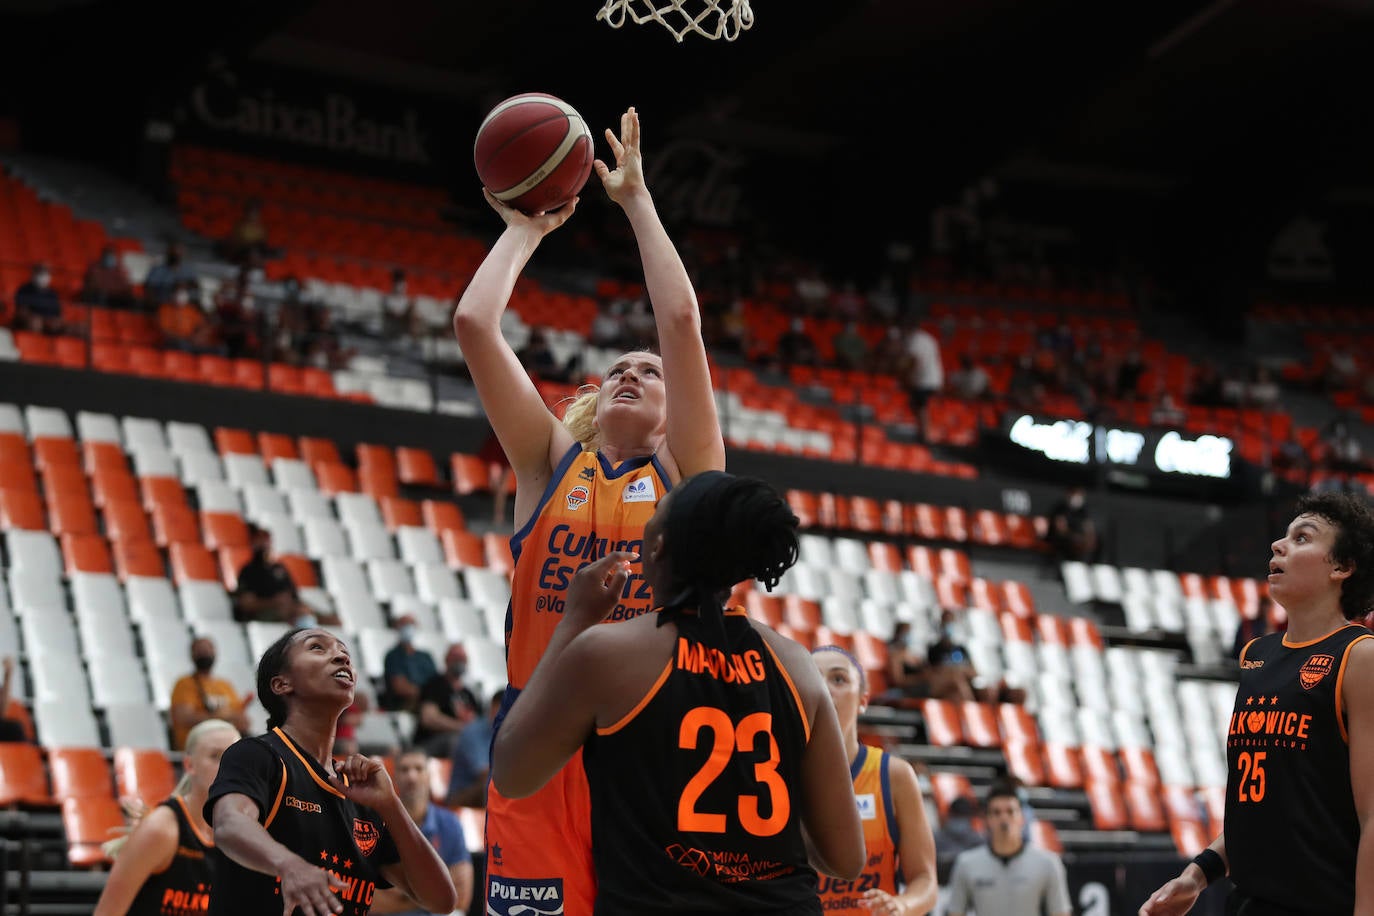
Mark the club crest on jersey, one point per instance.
(366, 835)
(577, 498)
(868, 806)
(640, 491)
(1314, 669)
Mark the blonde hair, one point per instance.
(580, 417)
(183, 786)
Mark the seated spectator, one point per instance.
(471, 757)
(957, 833)
(323, 347)
(246, 244)
(953, 676)
(164, 278)
(200, 695)
(184, 324)
(1262, 390)
(1291, 456)
(107, 283)
(447, 705)
(539, 359)
(400, 314)
(1340, 451)
(266, 591)
(37, 306)
(970, 381)
(1207, 388)
(848, 303)
(234, 321)
(1128, 376)
(405, 669)
(795, 346)
(1026, 389)
(608, 327)
(10, 729)
(1342, 370)
(734, 329)
(908, 671)
(1072, 532)
(1166, 411)
(851, 350)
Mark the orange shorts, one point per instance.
(539, 848)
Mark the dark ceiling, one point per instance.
(869, 111)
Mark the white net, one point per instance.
(708, 18)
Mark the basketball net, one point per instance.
(708, 18)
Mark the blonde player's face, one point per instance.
(633, 393)
(203, 762)
(843, 683)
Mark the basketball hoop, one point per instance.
(711, 19)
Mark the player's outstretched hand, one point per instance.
(308, 888)
(1173, 899)
(596, 588)
(627, 178)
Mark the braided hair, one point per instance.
(722, 529)
(273, 663)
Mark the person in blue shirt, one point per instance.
(439, 825)
(471, 757)
(406, 668)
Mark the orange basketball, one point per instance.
(533, 152)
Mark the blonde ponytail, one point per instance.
(580, 417)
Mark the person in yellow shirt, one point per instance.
(200, 696)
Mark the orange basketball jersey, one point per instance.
(873, 792)
(588, 510)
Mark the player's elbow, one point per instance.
(442, 899)
(507, 775)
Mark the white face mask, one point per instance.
(181, 297)
(42, 280)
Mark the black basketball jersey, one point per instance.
(693, 792)
(183, 887)
(307, 815)
(1291, 830)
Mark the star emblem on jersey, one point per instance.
(588, 474)
(691, 858)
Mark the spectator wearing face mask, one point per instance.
(406, 668)
(107, 283)
(36, 304)
(184, 324)
(163, 279)
(447, 704)
(266, 590)
(200, 695)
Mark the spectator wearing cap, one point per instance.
(405, 668)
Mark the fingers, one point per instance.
(616, 146)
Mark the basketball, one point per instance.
(533, 152)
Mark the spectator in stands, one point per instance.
(323, 347)
(107, 283)
(234, 320)
(734, 330)
(848, 303)
(10, 729)
(37, 306)
(246, 245)
(400, 314)
(1128, 375)
(1290, 457)
(608, 326)
(439, 825)
(184, 324)
(795, 346)
(813, 293)
(952, 675)
(957, 834)
(970, 381)
(925, 373)
(163, 279)
(405, 668)
(1342, 370)
(640, 328)
(266, 590)
(908, 671)
(471, 759)
(1262, 390)
(1166, 411)
(1026, 389)
(1303, 844)
(1340, 451)
(502, 480)
(1072, 533)
(1008, 876)
(851, 350)
(539, 359)
(447, 705)
(200, 695)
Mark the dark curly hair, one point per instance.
(272, 663)
(1353, 548)
(720, 530)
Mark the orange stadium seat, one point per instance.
(301, 568)
(986, 595)
(1107, 805)
(496, 549)
(462, 548)
(400, 513)
(885, 556)
(801, 614)
(125, 520)
(23, 778)
(16, 475)
(797, 636)
(378, 482)
(89, 822)
(946, 786)
(1045, 835)
(191, 562)
(956, 524)
(138, 558)
(989, 528)
(1099, 764)
(161, 491)
(174, 524)
(230, 441)
(1143, 808)
(79, 772)
(764, 607)
(835, 511)
(1138, 763)
(978, 722)
(1018, 599)
(442, 516)
(954, 564)
(1025, 761)
(923, 561)
(866, 514)
(335, 478)
(470, 474)
(1063, 766)
(223, 529)
(944, 727)
(825, 636)
(1016, 723)
(805, 506)
(51, 450)
(103, 455)
(87, 553)
(927, 522)
(15, 448)
(314, 449)
(416, 468)
(21, 509)
(231, 560)
(950, 595)
(276, 445)
(110, 484)
(71, 512)
(1189, 837)
(143, 773)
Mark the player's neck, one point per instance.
(1005, 849)
(316, 739)
(851, 744)
(1313, 621)
(615, 454)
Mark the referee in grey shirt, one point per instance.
(1008, 877)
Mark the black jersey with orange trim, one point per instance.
(307, 815)
(183, 887)
(1291, 830)
(693, 791)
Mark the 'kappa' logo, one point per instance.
(1316, 668)
(292, 801)
(640, 491)
(577, 498)
(366, 835)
